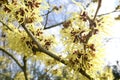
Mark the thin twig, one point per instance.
(99, 5)
(45, 72)
(92, 23)
(25, 67)
(6, 25)
(46, 21)
(17, 62)
(47, 13)
(108, 13)
(49, 27)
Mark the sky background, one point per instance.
(113, 44)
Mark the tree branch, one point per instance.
(85, 74)
(17, 62)
(46, 19)
(99, 5)
(53, 55)
(50, 53)
(49, 27)
(109, 13)
(25, 67)
(47, 13)
(41, 76)
(92, 24)
(6, 25)
(40, 47)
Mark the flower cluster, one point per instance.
(23, 11)
(19, 41)
(82, 38)
(26, 12)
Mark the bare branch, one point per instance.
(25, 67)
(109, 13)
(46, 21)
(99, 5)
(6, 25)
(49, 27)
(17, 62)
(47, 13)
(41, 76)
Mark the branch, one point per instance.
(50, 53)
(40, 47)
(49, 27)
(46, 19)
(6, 25)
(25, 67)
(47, 13)
(92, 23)
(47, 16)
(41, 76)
(109, 13)
(85, 74)
(17, 62)
(99, 5)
